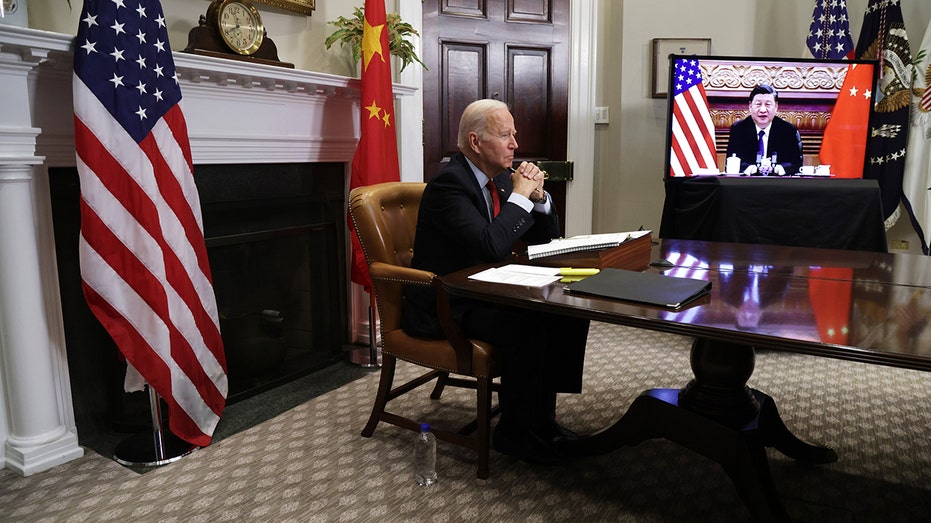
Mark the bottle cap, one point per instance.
(424, 427)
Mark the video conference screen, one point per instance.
(814, 115)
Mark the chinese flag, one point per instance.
(844, 143)
(376, 157)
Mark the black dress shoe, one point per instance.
(556, 433)
(528, 447)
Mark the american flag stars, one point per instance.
(119, 26)
(829, 33)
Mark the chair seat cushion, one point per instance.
(439, 354)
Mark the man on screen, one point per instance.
(766, 144)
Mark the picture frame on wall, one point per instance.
(662, 48)
(301, 7)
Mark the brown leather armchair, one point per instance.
(385, 219)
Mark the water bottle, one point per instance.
(425, 457)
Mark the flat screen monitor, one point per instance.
(827, 101)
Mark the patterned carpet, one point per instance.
(310, 464)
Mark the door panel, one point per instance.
(528, 74)
(463, 66)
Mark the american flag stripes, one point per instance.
(692, 140)
(829, 33)
(143, 259)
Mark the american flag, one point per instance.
(692, 141)
(829, 33)
(143, 259)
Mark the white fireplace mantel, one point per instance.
(236, 113)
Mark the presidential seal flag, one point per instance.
(144, 266)
(917, 181)
(883, 38)
(376, 156)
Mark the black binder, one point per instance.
(641, 287)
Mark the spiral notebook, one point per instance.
(641, 287)
(588, 242)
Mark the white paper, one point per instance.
(517, 274)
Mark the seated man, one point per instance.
(765, 143)
(472, 212)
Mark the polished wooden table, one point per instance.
(852, 305)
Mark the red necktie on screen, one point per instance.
(495, 203)
(760, 148)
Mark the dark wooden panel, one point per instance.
(463, 69)
(468, 8)
(528, 80)
(538, 11)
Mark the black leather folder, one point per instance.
(641, 287)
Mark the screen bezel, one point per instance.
(740, 93)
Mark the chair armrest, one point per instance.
(396, 274)
(399, 274)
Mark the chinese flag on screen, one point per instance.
(376, 157)
(844, 143)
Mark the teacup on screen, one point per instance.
(807, 169)
(823, 169)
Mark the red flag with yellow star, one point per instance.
(376, 157)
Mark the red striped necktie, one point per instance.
(495, 202)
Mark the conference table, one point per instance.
(852, 305)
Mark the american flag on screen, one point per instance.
(144, 266)
(692, 140)
(829, 33)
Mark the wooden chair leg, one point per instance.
(440, 386)
(385, 382)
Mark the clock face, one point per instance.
(240, 26)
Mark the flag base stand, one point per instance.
(367, 357)
(152, 449)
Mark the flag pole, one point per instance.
(355, 358)
(152, 449)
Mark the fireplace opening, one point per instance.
(275, 237)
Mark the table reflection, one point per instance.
(882, 305)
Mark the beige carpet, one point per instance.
(310, 464)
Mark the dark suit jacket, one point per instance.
(784, 140)
(454, 232)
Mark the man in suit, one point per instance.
(465, 220)
(761, 136)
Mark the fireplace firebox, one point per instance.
(275, 236)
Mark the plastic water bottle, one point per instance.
(425, 457)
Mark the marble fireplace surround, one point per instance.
(236, 113)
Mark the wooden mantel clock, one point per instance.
(233, 29)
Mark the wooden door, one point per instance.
(514, 50)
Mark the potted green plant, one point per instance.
(349, 32)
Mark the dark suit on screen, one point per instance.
(784, 140)
(454, 232)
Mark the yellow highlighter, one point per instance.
(569, 271)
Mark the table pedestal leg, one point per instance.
(719, 417)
